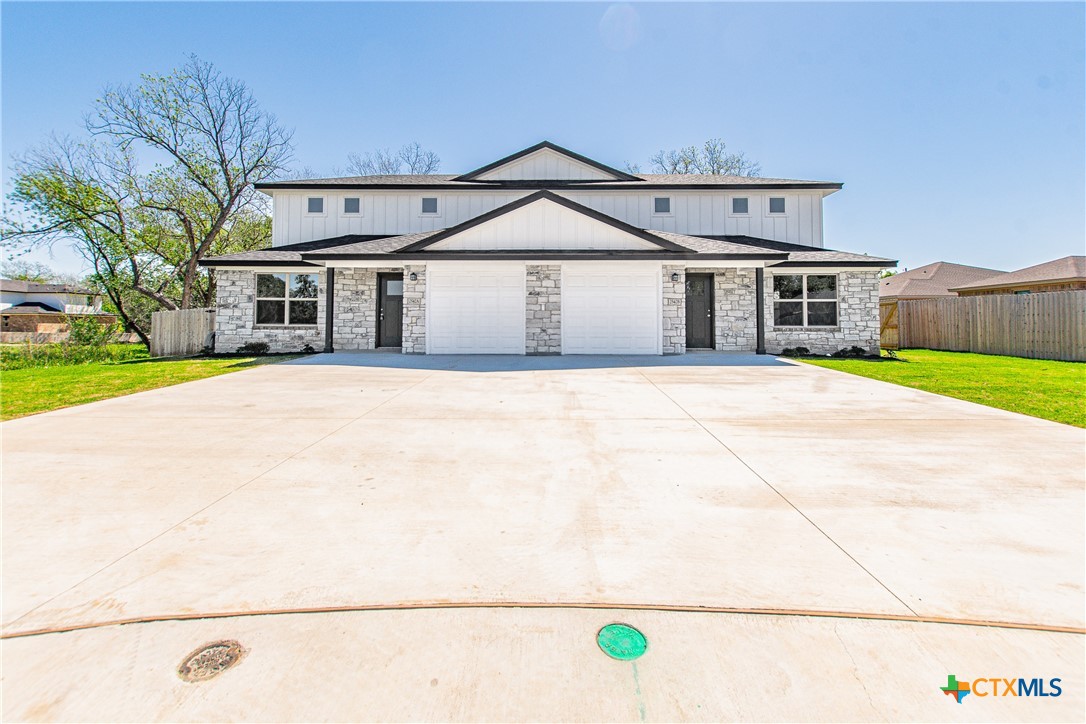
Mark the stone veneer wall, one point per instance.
(355, 323)
(735, 318)
(857, 318)
(543, 309)
(674, 310)
(235, 299)
(414, 310)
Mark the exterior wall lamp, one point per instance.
(413, 277)
(674, 276)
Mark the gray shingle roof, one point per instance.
(19, 285)
(647, 180)
(720, 245)
(801, 253)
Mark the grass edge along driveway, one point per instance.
(41, 389)
(1048, 389)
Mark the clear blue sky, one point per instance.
(957, 129)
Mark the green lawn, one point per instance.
(1041, 388)
(40, 389)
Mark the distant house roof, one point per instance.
(19, 285)
(1066, 269)
(32, 308)
(933, 280)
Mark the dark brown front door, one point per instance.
(390, 310)
(699, 311)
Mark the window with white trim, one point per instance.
(661, 205)
(352, 205)
(429, 205)
(805, 300)
(776, 204)
(314, 205)
(740, 205)
(283, 299)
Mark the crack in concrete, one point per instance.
(769, 485)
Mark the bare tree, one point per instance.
(220, 143)
(712, 157)
(387, 162)
(419, 160)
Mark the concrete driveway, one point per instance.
(366, 524)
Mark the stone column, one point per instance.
(543, 309)
(414, 309)
(674, 310)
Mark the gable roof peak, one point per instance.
(613, 173)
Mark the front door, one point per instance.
(699, 311)
(390, 310)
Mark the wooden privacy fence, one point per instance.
(888, 326)
(182, 332)
(1048, 325)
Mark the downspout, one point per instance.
(759, 306)
(329, 306)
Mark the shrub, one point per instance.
(257, 348)
(850, 352)
(308, 349)
(89, 332)
(795, 352)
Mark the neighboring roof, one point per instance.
(933, 280)
(32, 308)
(643, 181)
(474, 175)
(1066, 269)
(19, 285)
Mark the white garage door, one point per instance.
(610, 309)
(475, 309)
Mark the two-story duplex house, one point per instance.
(548, 252)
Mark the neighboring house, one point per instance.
(1059, 275)
(548, 252)
(40, 312)
(931, 281)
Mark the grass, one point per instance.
(28, 391)
(1042, 388)
(25, 356)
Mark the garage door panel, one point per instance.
(609, 310)
(476, 310)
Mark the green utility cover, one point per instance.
(621, 642)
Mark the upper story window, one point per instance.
(286, 299)
(352, 205)
(805, 300)
(776, 204)
(661, 205)
(740, 205)
(429, 204)
(314, 205)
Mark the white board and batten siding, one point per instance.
(544, 225)
(692, 212)
(546, 165)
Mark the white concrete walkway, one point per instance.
(376, 480)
